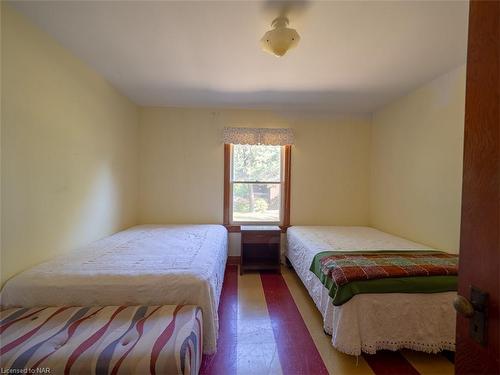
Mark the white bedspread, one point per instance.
(143, 265)
(371, 322)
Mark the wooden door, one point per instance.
(480, 230)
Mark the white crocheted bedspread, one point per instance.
(143, 265)
(371, 322)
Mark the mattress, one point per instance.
(143, 265)
(101, 340)
(371, 322)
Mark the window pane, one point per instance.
(256, 202)
(257, 163)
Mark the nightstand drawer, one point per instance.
(260, 237)
(261, 252)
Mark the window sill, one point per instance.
(237, 228)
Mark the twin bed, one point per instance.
(374, 321)
(144, 265)
(155, 265)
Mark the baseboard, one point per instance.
(233, 260)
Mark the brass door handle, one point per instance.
(463, 306)
(475, 309)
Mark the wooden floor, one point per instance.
(269, 325)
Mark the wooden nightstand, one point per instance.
(260, 248)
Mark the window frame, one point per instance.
(285, 192)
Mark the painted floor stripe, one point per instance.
(248, 335)
(257, 349)
(296, 349)
(389, 363)
(335, 361)
(429, 364)
(224, 361)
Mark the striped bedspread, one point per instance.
(346, 267)
(101, 340)
(348, 273)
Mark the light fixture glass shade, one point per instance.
(279, 40)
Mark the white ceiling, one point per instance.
(353, 56)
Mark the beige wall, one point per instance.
(416, 163)
(181, 166)
(69, 150)
(80, 161)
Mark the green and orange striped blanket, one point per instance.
(347, 273)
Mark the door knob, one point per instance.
(463, 306)
(475, 309)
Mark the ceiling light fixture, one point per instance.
(279, 40)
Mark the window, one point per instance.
(256, 184)
(257, 176)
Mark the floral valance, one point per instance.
(258, 136)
